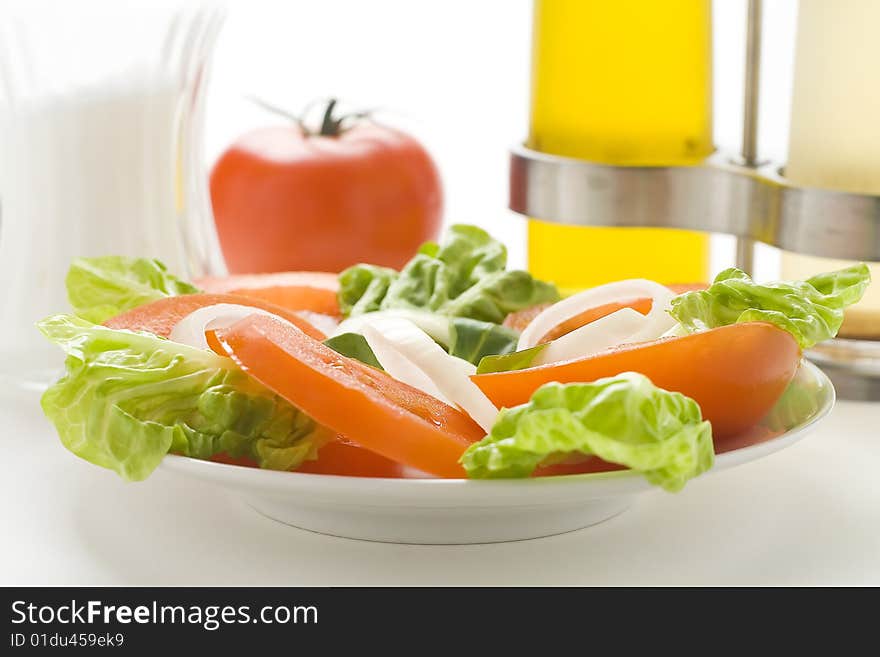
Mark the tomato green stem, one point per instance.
(329, 125)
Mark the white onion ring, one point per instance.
(190, 330)
(609, 331)
(434, 325)
(415, 357)
(658, 320)
(399, 366)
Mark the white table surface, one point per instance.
(808, 515)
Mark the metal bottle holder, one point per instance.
(738, 196)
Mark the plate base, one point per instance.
(444, 525)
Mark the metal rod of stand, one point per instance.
(745, 249)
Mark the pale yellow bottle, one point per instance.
(625, 82)
(835, 125)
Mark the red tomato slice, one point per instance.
(295, 290)
(589, 465)
(338, 457)
(296, 298)
(161, 316)
(343, 457)
(753, 436)
(735, 373)
(362, 403)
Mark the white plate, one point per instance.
(457, 511)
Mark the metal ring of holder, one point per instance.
(717, 196)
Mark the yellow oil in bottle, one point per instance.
(626, 83)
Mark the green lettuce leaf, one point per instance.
(472, 340)
(811, 310)
(363, 287)
(517, 360)
(623, 419)
(464, 338)
(354, 345)
(127, 399)
(463, 277)
(101, 288)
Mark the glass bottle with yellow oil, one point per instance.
(626, 82)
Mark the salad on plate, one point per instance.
(454, 367)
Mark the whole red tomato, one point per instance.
(286, 199)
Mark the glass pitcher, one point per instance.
(101, 115)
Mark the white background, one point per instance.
(456, 74)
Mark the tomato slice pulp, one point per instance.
(362, 403)
(314, 291)
(735, 373)
(161, 316)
